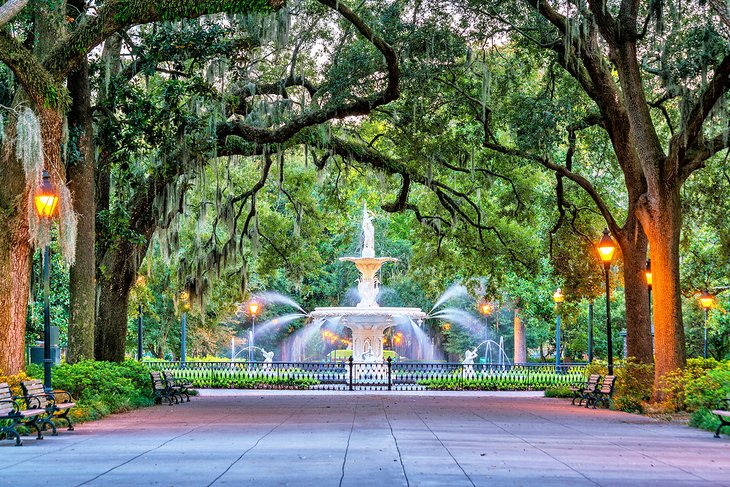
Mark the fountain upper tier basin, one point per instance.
(367, 316)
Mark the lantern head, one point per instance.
(558, 296)
(707, 300)
(46, 197)
(606, 248)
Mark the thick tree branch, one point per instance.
(31, 75)
(576, 178)
(10, 9)
(361, 106)
(691, 134)
(116, 15)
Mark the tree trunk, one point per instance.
(633, 243)
(82, 285)
(15, 252)
(115, 281)
(662, 222)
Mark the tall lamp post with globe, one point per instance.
(486, 309)
(185, 306)
(606, 249)
(558, 298)
(253, 308)
(706, 300)
(46, 200)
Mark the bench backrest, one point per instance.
(158, 383)
(593, 379)
(607, 384)
(34, 387)
(6, 406)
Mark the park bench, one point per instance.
(603, 392)
(162, 389)
(57, 403)
(11, 416)
(723, 415)
(181, 387)
(583, 392)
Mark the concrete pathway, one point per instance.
(324, 439)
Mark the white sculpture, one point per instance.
(469, 357)
(268, 358)
(368, 248)
(468, 363)
(368, 291)
(368, 356)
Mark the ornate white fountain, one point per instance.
(368, 320)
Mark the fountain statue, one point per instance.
(368, 320)
(368, 231)
(468, 363)
(469, 357)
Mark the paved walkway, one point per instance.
(327, 439)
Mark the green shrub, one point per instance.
(634, 385)
(101, 388)
(558, 391)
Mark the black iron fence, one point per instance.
(387, 375)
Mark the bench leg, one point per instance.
(64, 416)
(8, 432)
(723, 423)
(36, 424)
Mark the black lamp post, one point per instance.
(46, 200)
(185, 299)
(486, 309)
(606, 249)
(707, 300)
(648, 275)
(253, 308)
(558, 298)
(139, 333)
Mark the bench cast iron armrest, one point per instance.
(16, 408)
(34, 400)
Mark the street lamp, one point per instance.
(46, 200)
(486, 309)
(253, 308)
(185, 303)
(606, 249)
(558, 298)
(706, 300)
(648, 275)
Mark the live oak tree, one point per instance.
(42, 53)
(251, 109)
(657, 74)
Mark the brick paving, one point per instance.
(321, 439)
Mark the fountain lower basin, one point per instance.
(368, 326)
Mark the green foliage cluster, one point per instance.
(698, 389)
(560, 390)
(634, 383)
(244, 379)
(520, 380)
(101, 388)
